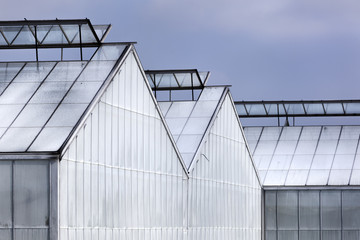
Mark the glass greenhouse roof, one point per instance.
(298, 108)
(177, 79)
(53, 33)
(41, 102)
(189, 120)
(306, 156)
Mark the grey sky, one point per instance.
(268, 50)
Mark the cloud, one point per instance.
(274, 19)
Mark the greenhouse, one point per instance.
(310, 172)
(87, 152)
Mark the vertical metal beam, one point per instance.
(36, 44)
(192, 86)
(81, 53)
(277, 106)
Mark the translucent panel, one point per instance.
(18, 93)
(8, 114)
(290, 134)
(240, 108)
(67, 115)
(71, 32)
(351, 210)
(350, 132)
(294, 109)
(275, 178)
(34, 72)
(314, 108)
(334, 108)
(211, 94)
(82, 92)
(164, 107)
(31, 234)
(176, 125)
(101, 30)
(351, 108)
(66, 71)
(109, 52)
(11, 142)
(343, 162)
(306, 147)
(204, 109)
(188, 143)
(9, 70)
(287, 235)
(50, 139)
(309, 210)
(287, 210)
(256, 109)
(41, 32)
(322, 162)
(330, 210)
(263, 161)
(270, 235)
(270, 210)
(347, 147)
(31, 193)
(180, 109)
(326, 147)
(24, 37)
(318, 177)
(280, 162)
(10, 32)
(51, 92)
(330, 133)
(5, 194)
(309, 235)
(275, 109)
(96, 71)
(297, 177)
(196, 126)
(351, 235)
(270, 133)
(54, 36)
(301, 162)
(331, 235)
(86, 34)
(310, 133)
(357, 162)
(355, 177)
(252, 133)
(265, 147)
(34, 115)
(286, 147)
(339, 177)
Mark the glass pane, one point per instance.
(280, 162)
(331, 210)
(188, 143)
(287, 235)
(297, 177)
(314, 108)
(204, 109)
(263, 160)
(352, 108)
(34, 72)
(318, 177)
(322, 161)
(66, 71)
(333, 108)
(31, 193)
(339, 177)
(351, 235)
(25, 37)
(18, 93)
(82, 92)
(196, 126)
(310, 133)
(109, 52)
(34, 115)
(11, 142)
(8, 114)
(290, 134)
(309, 235)
(350, 132)
(176, 125)
(275, 178)
(180, 109)
(306, 147)
(50, 139)
(96, 71)
(9, 70)
(326, 147)
(347, 147)
(55, 36)
(309, 210)
(343, 161)
(331, 235)
(265, 147)
(252, 133)
(286, 147)
(5, 194)
(301, 162)
(270, 210)
(67, 115)
(51, 92)
(256, 109)
(270, 133)
(330, 133)
(287, 210)
(351, 210)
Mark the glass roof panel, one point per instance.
(256, 109)
(18, 93)
(34, 72)
(350, 132)
(347, 147)
(11, 142)
(333, 108)
(34, 115)
(280, 162)
(314, 108)
(323, 161)
(9, 70)
(25, 36)
(318, 177)
(8, 114)
(100, 30)
(180, 109)
(310, 133)
(10, 32)
(82, 92)
(294, 109)
(67, 115)
(71, 32)
(109, 52)
(54, 35)
(204, 109)
(96, 71)
(355, 177)
(343, 161)
(330, 132)
(301, 162)
(240, 109)
(351, 108)
(275, 178)
(50, 139)
(270, 133)
(339, 177)
(290, 133)
(296, 177)
(252, 133)
(87, 35)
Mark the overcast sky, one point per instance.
(267, 50)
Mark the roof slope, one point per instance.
(189, 120)
(42, 102)
(300, 156)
